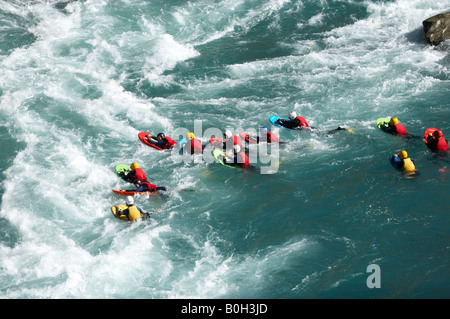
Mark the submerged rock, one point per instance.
(437, 28)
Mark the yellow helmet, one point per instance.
(403, 154)
(393, 121)
(133, 166)
(190, 135)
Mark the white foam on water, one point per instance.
(165, 53)
(57, 192)
(59, 185)
(204, 22)
(248, 276)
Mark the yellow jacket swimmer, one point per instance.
(402, 161)
(130, 212)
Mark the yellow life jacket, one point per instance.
(408, 165)
(133, 213)
(117, 212)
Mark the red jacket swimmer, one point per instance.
(135, 173)
(264, 136)
(393, 127)
(240, 158)
(294, 122)
(436, 141)
(231, 139)
(162, 141)
(193, 144)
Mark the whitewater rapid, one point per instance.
(79, 80)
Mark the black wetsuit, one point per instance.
(290, 124)
(160, 144)
(389, 129)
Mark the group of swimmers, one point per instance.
(135, 176)
(435, 141)
(235, 152)
(236, 156)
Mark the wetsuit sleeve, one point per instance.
(139, 189)
(398, 162)
(123, 175)
(161, 144)
(291, 123)
(130, 175)
(388, 129)
(431, 141)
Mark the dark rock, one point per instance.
(437, 28)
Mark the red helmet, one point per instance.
(438, 133)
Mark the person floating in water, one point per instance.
(436, 141)
(135, 173)
(299, 123)
(402, 161)
(294, 122)
(194, 146)
(131, 212)
(239, 158)
(393, 127)
(230, 140)
(162, 141)
(339, 128)
(227, 142)
(264, 136)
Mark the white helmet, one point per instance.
(228, 133)
(237, 148)
(292, 115)
(130, 200)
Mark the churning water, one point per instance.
(80, 79)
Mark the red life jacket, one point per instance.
(233, 140)
(196, 146)
(216, 141)
(442, 144)
(150, 187)
(400, 129)
(236, 140)
(302, 121)
(170, 143)
(271, 137)
(244, 159)
(139, 174)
